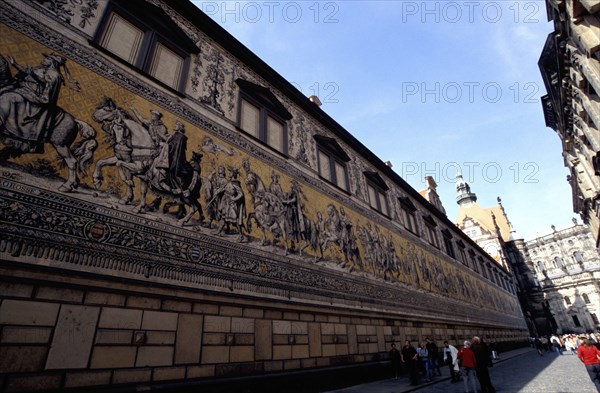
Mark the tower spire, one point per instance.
(464, 195)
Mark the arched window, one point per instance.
(586, 298)
(541, 267)
(578, 257)
(558, 262)
(567, 300)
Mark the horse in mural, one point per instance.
(131, 143)
(30, 117)
(136, 155)
(269, 211)
(188, 195)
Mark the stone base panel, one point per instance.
(72, 332)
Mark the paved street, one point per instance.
(520, 371)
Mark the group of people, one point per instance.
(471, 362)
(585, 346)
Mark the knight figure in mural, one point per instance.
(144, 149)
(232, 206)
(30, 116)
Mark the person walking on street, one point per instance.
(467, 366)
(434, 354)
(424, 361)
(590, 357)
(538, 346)
(556, 344)
(483, 360)
(451, 360)
(395, 361)
(409, 357)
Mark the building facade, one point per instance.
(557, 274)
(567, 267)
(570, 67)
(173, 211)
(491, 229)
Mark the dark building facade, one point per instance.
(172, 211)
(570, 67)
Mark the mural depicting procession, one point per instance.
(121, 151)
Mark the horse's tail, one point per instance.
(84, 149)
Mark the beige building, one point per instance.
(570, 67)
(173, 211)
(488, 227)
(491, 229)
(567, 266)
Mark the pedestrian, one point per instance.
(424, 360)
(434, 357)
(395, 360)
(467, 362)
(538, 346)
(494, 350)
(409, 357)
(556, 344)
(483, 360)
(544, 341)
(451, 360)
(570, 345)
(590, 356)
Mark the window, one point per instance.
(407, 211)
(461, 252)
(430, 226)
(484, 268)
(143, 36)
(576, 320)
(332, 161)
(567, 300)
(594, 318)
(586, 298)
(262, 116)
(578, 257)
(541, 267)
(472, 263)
(448, 246)
(558, 262)
(377, 190)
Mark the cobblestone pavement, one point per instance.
(521, 371)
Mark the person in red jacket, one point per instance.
(590, 356)
(468, 363)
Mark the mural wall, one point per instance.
(107, 145)
(104, 172)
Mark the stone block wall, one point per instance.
(57, 334)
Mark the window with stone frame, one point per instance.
(484, 267)
(578, 256)
(558, 262)
(430, 230)
(408, 213)
(377, 192)
(567, 300)
(576, 320)
(448, 244)
(462, 256)
(143, 36)
(332, 162)
(595, 318)
(472, 263)
(262, 116)
(586, 298)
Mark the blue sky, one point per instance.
(426, 84)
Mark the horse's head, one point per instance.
(105, 110)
